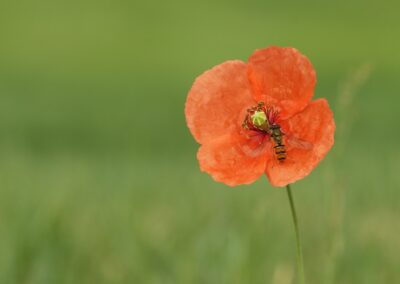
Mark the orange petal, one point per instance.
(234, 159)
(308, 137)
(218, 100)
(282, 77)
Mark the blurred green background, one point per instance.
(99, 182)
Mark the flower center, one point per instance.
(260, 118)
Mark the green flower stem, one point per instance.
(300, 264)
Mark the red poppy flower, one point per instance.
(257, 117)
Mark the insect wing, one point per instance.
(298, 143)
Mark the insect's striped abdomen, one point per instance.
(276, 135)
